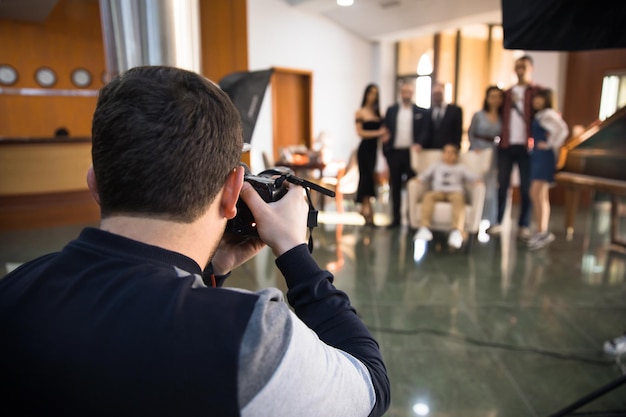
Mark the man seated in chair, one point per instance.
(446, 179)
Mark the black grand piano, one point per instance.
(596, 159)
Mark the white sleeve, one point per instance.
(556, 127)
(314, 379)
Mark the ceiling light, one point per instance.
(345, 2)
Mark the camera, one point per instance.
(265, 184)
(271, 185)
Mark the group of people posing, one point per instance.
(520, 125)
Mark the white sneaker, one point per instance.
(534, 238)
(615, 346)
(496, 229)
(423, 233)
(540, 241)
(455, 239)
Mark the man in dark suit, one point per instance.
(444, 121)
(405, 123)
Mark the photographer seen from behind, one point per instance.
(129, 319)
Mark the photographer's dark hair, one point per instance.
(164, 141)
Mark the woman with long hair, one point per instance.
(369, 127)
(484, 133)
(549, 132)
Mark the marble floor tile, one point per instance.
(500, 331)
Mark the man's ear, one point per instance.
(230, 194)
(92, 184)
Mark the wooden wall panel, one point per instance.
(473, 75)
(44, 167)
(71, 37)
(224, 37)
(48, 210)
(28, 116)
(291, 108)
(583, 87)
(224, 40)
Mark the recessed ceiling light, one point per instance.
(345, 2)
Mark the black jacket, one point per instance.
(391, 121)
(449, 130)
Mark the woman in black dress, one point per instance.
(369, 126)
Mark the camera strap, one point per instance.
(287, 175)
(311, 221)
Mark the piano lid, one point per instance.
(599, 151)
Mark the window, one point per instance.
(613, 96)
(424, 80)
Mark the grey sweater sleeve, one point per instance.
(285, 369)
(328, 312)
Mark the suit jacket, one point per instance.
(449, 129)
(391, 121)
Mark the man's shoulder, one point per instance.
(455, 108)
(535, 87)
(391, 110)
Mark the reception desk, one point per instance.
(43, 183)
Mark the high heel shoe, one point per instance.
(368, 216)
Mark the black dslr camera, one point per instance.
(271, 186)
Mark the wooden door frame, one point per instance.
(288, 116)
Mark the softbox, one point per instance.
(563, 25)
(246, 90)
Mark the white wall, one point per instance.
(551, 72)
(342, 64)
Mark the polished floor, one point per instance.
(501, 331)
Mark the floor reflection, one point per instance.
(501, 331)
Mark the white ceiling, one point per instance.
(376, 20)
(390, 20)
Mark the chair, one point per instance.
(478, 162)
(344, 182)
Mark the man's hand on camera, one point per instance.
(233, 251)
(282, 224)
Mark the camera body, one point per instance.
(270, 190)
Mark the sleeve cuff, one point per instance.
(212, 280)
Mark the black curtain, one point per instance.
(246, 90)
(564, 25)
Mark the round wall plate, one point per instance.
(81, 77)
(45, 77)
(8, 74)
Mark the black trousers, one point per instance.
(399, 162)
(507, 157)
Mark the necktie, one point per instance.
(438, 116)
